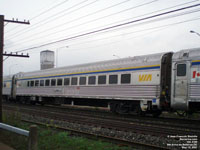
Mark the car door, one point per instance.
(181, 84)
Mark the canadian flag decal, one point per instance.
(196, 74)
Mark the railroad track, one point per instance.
(112, 124)
(117, 141)
(188, 124)
(144, 127)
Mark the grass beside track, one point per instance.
(50, 139)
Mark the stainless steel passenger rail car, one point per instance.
(150, 83)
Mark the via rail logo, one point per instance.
(145, 77)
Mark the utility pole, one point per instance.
(2, 20)
(1, 62)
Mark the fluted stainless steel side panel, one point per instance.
(131, 92)
(194, 91)
(121, 91)
(6, 91)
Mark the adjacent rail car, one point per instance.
(150, 83)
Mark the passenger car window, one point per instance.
(53, 82)
(102, 79)
(66, 81)
(74, 81)
(91, 80)
(59, 82)
(82, 81)
(32, 83)
(181, 70)
(36, 82)
(113, 79)
(125, 78)
(41, 82)
(47, 82)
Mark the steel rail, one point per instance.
(102, 137)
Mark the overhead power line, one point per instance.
(138, 31)
(157, 11)
(74, 26)
(53, 7)
(77, 19)
(142, 23)
(111, 27)
(160, 10)
(52, 18)
(162, 27)
(43, 12)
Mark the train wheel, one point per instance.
(121, 109)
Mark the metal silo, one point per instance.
(46, 59)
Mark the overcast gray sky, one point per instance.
(54, 20)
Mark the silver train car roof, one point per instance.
(189, 54)
(107, 64)
(142, 60)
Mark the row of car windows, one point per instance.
(101, 79)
